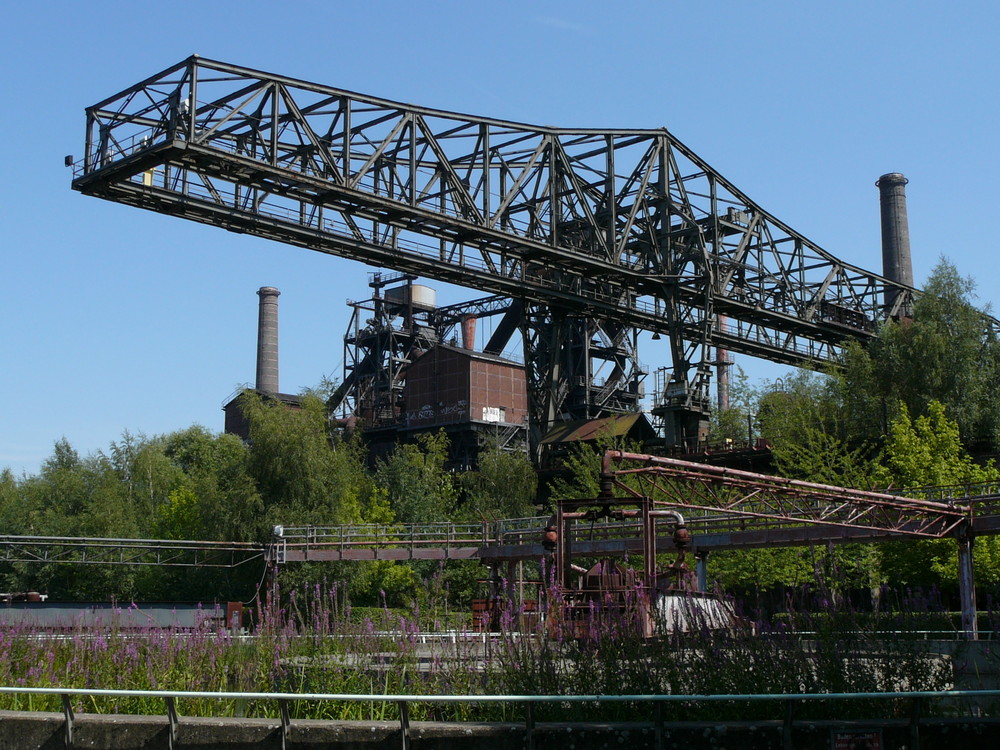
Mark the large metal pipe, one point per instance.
(896, 263)
(267, 340)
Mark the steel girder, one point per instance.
(384, 336)
(715, 489)
(99, 551)
(627, 226)
(444, 319)
(578, 368)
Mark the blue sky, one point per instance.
(115, 318)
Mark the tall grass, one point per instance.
(307, 641)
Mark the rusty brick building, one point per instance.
(450, 385)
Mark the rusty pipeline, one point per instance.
(682, 537)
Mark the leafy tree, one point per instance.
(418, 488)
(927, 451)
(217, 480)
(503, 486)
(8, 497)
(581, 468)
(75, 497)
(303, 474)
(803, 420)
(736, 422)
(751, 573)
(946, 353)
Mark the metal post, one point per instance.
(88, 156)
(286, 723)
(404, 724)
(529, 726)
(511, 590)
(915, 713)
(701, 567)
(786, 731)
(172, 720)
(648, 544)
(966, 582)
(658, 717)
(193, 94)
(69, 716)
(520, 587)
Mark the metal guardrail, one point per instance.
(917, 699)
(521, 531)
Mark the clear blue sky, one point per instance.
(115, 318)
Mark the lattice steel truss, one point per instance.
(385, 335)
(682, 484)
(626, 226)
(142, 552)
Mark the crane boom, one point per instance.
(628, 227)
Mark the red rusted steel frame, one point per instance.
(779, 498)
(796, 505)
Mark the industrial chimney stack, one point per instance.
(469, 332)
(896, 263)
(267, 340)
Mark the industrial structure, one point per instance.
(729, 509)
(268, 369)
(406, 373)
(584, 237)
(638, 515)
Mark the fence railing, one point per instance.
(919, 702)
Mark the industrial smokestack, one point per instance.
(267, 340)
(469, 332)
(722, 366)
(896, 263)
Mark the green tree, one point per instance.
(801, 416)
(948, 353)
(736, 423)
(303, 473)
(216, 475)
(580, 474)
(504, 485)
(927, 451)
(76, 497)
(802, 419)
(418, 488)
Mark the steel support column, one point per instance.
(966, 582)
(701, 567)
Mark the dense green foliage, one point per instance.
(903, 412)
(947, 353)
(295, 469)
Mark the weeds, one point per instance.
(309, 642)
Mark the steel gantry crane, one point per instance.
(595, 234)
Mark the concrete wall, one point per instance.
(28, 731)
